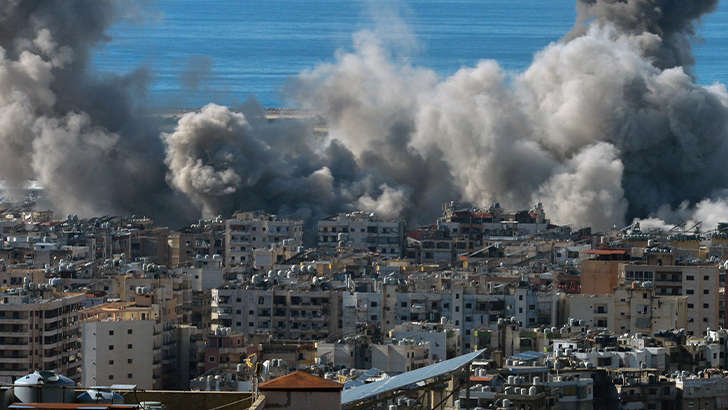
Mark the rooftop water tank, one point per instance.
(151, 405)
(100, 394)
(45, 387)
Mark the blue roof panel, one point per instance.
(405, 379)
(528, 355)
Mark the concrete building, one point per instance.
(224, 349)
(39, 330)
(630, 310)
(363, 231)
(122, 352)
(600, 270)
(699, 283)
(286, 314)
(403, 356)
(444, 340)
(247, 231)
(205, 274)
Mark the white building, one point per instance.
(404, 356)
(207, 273)
(120, 352)
(444, 340)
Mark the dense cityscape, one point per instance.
(546, 316)
(394, 237)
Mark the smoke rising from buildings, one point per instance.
(605, 126)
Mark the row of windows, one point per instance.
(129, 346)
(111, 362)
(128, 331)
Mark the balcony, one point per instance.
(11, 333)
(14, 359)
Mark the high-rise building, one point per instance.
(39, 330)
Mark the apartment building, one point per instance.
(634, 309)
(224, 349)
(699, 283)
(363, 231)
(116, 329)
(122, 352)
(286, 314)
(600, 270)
(403, 356)
(247, 231)
(39, 330)
(205, 273)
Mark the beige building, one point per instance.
(39, 330)
(699, 283)
(631, 310)
(247, 231)
(600, 270)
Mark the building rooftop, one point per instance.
(301, 381)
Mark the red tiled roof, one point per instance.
(301, 381)
(481, 379)
(605, 252)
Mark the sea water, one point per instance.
(236, 49)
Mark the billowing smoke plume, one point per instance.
(604, 126)
(77, 134)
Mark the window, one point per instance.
(128, 331)
(128, 360)
(111, 332)
(128, 375)
(111, 362)
(374, 304)
(689, 291)
(404, 304)
(111, 377)
(706, 292)
(128, 346)
(111, 347)
(212, 358)
(457, 308)
(706, 305)
(689, 277)
(690, 306)
(520, 297)
(706, 277)
(520, 310)
(457, 296)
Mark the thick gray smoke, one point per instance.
(604, 126)
(76, 134)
